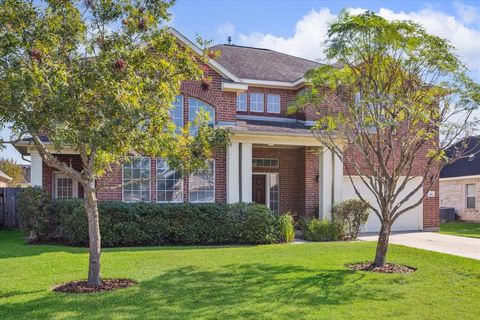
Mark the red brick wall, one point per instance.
(298, 171)
(223, 102)
(48, 172)
(311, 163)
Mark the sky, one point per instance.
(299, 27)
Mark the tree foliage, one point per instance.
(13, 170)
(404, 96)
(98, 76)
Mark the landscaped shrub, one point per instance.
(321, 230)
(286, 227)
(353, 214)
(34, 213)
(140, 224)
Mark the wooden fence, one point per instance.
(8, 207)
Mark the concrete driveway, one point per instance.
(459, 246)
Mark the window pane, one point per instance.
(169, 183)
(202, 184)
(273, 103)
(470, 190)
(136, 168)
(274, 192)
(242, 102)
(470, 202)
(177, 111)
(195, 107)
(256, 102)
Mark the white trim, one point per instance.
(36, 170)
(212, 63)
(460, 178)
(246, 171)
(274, 84)
(234, 87)
(325, 179)
(233, 170)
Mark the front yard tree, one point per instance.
(97, 76)
(405, 97)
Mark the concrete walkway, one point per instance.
(458, 246)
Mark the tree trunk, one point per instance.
(382, 245)
(91, 208)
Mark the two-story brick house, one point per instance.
(274, 158)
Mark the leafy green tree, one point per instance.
(13, 170)
(98, 76)
(404, 95)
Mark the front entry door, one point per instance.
(259, 188)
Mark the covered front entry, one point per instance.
(302, 179)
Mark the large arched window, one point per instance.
(196, 106)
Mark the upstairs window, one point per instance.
(273, 103)
(177, 111)
(471, 196)
(242, 102)
(135, 169)
(257, 102)
(195, 107)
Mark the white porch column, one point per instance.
(325, 179)
(36, 170)
(337, 179)
(233, 171)
(246, 172)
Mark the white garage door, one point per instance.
(412, 220)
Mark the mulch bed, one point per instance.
(387, 268)
(84, 287)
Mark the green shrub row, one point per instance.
(143, 224)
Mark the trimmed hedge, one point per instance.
(144, 224)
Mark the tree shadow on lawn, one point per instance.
(246, 290)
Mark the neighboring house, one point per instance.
(460, 183)
(274, 159)
(4, 179)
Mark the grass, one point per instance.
(307, 281)
(464, 229)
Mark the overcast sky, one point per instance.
(299, 27)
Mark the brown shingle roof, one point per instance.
(273, 127)
(262, 64)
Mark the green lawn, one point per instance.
(307, 281)
(463, 229)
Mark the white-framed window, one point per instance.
(264, 163)
(177, 111)
(471, 196)
(196, 106)
(274, 193)
(65, 187)
(169, 183)
(136, 168)
(257, 102)
(202, 184)
(273, 103)
(242, 102)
